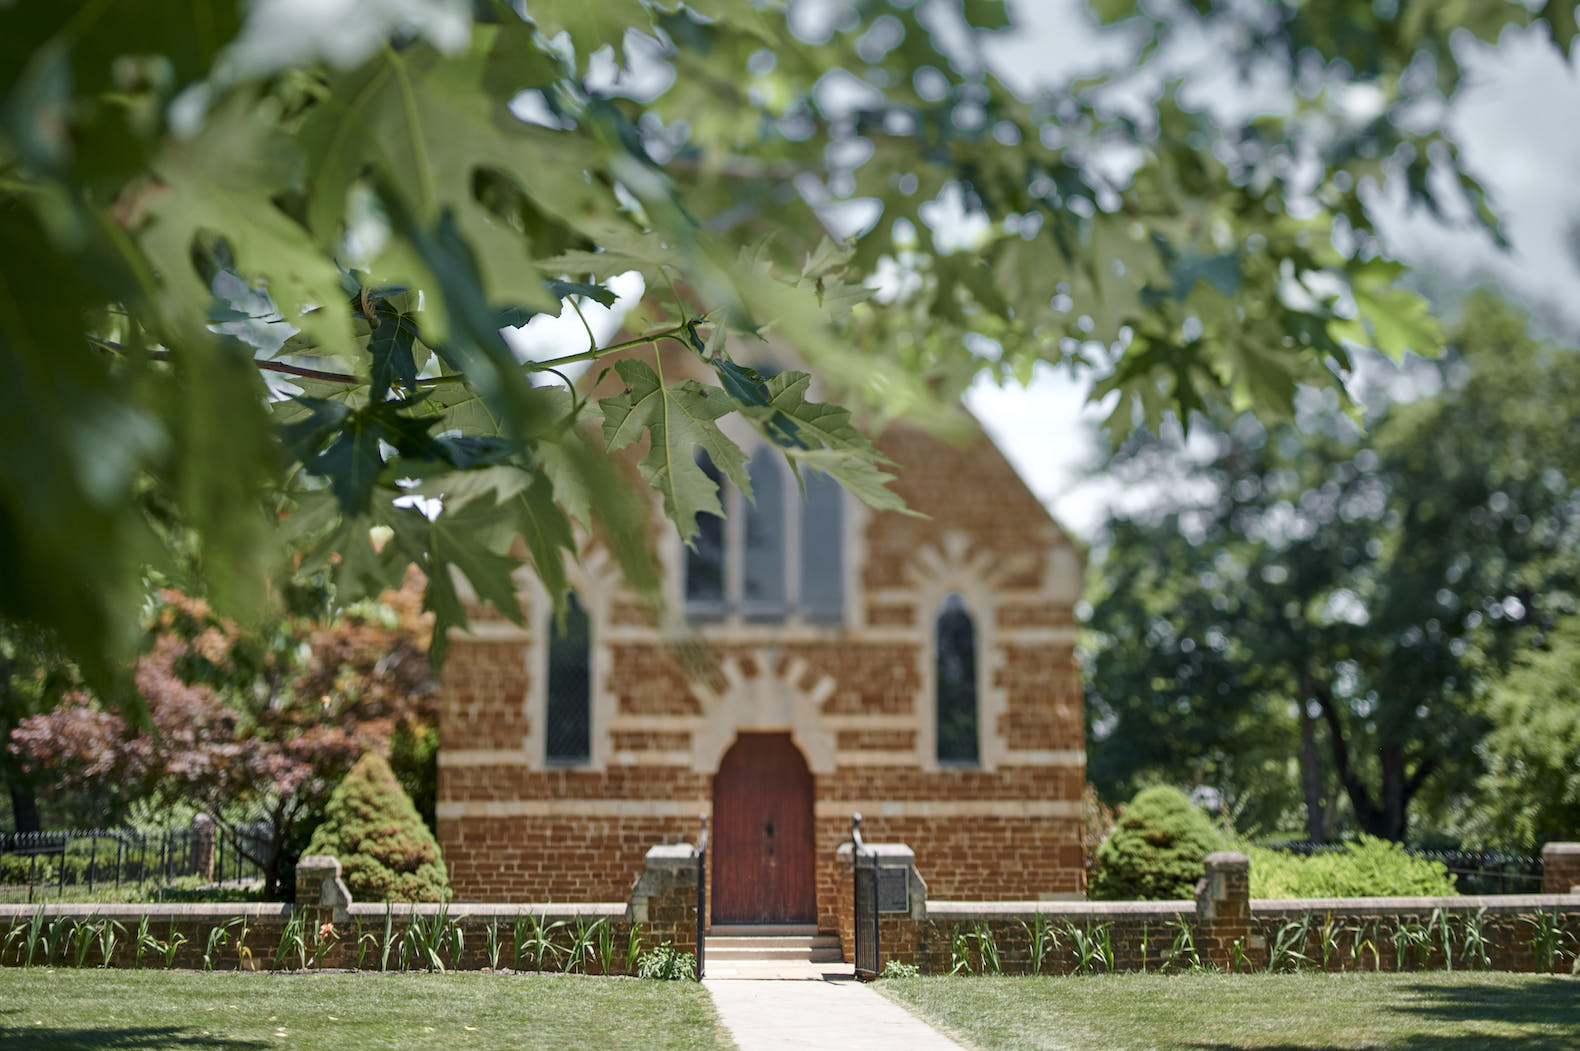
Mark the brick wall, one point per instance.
(1561, 868)
(1223, 928)
(660, 907)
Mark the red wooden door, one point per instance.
(762, 833)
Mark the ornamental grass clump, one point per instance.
(1155, 852)
(386, 852)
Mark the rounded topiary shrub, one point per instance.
(1156, 849)
(386, 852)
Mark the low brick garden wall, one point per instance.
(1223, 928)
(324, 929)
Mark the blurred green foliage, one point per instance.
(268, 255)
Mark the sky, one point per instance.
(1513, 119)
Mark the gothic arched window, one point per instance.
(763, 570)
(822, 550)
(705, 560)
(779, 552)
(955, 646)
(568, 720)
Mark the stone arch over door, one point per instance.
(755, 700)
(763, 849)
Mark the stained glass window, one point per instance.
(956, 648)
(568, 723)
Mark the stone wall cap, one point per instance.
(155, 911)
(1226, 859)
(319, 861)
(989, 910)
(1497, 903)
(500, 910)
(885, 852)
(671, 854)
(1561, 850)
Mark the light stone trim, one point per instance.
(654, 723)
(639, 808)
(875, 757)
(491, 631)
(1045, 757)
(462, 757)
(762, 703)
(652, 757)
(907, 757)
(946, 808)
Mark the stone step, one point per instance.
(819, 955)
(754, 930)
(817, 941)
(780, 970)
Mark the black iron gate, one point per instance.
(702, 894)
(865, 866)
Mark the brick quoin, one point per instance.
(856, 697)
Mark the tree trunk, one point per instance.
(1311, 780)
(24, 808)
(1311, 769)
(1395, 792)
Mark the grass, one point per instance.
(142, 1009)
(1457, 1012)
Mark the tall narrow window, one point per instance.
(705, 561)
(763, 571)
(956, 646)
(822, 550)
(568, 721)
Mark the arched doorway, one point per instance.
(762, 847)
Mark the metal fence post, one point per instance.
(702, 896)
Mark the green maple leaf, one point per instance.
(421, 124)
(472, 539)
(827, 440)
(678, 420)
(1392, 319)
(224, 180)
(591, 25)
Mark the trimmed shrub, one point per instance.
(386, 852)
(1363, 868)
(1155, 851)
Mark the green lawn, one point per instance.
(153, 1009)
(1457, 1012)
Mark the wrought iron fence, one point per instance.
(865, 868)
(1474, 871)
(98, 864)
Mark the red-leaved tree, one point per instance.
(254, 724)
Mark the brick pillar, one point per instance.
(1561, 868)
(1223, 908)
(203, 839)
(899, 930)
(319, 887)
(664, 896)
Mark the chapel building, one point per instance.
(822, 659)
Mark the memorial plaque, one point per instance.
(894, 888)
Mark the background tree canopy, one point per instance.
(259, 261)
(1318, 613)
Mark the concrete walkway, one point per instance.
(844, 1013)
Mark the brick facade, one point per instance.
(856, 697)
